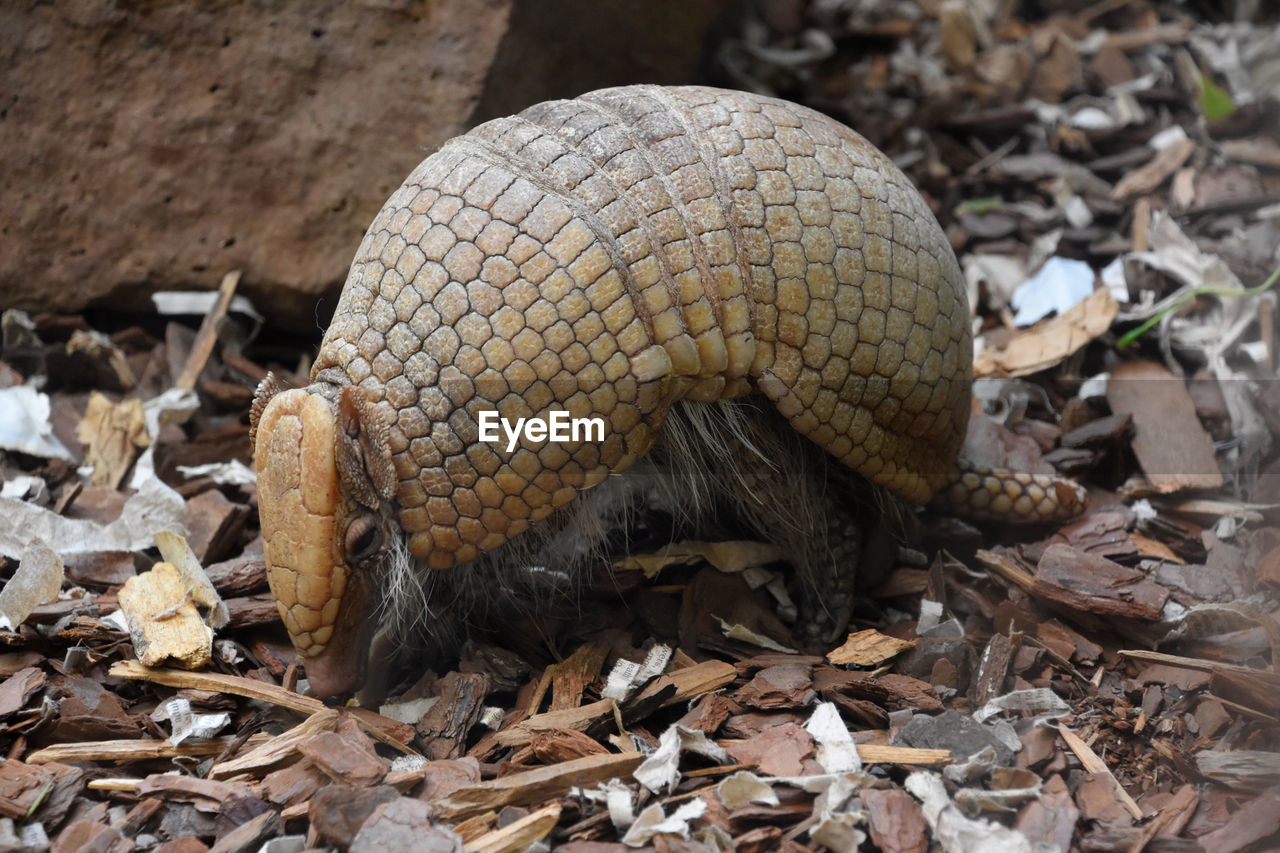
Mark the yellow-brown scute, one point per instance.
(299, 504)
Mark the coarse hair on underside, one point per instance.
(737, 457)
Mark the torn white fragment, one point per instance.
(184, 723)
(835, 822)
(975, 801)
(836, 751)
(973, 769)
(743, 788)
(233, 473)
(32, 835)
(408, 762)
(1000, 273)
(1060, 284)
(714, 838)
(200, 302)
(1040, 700)
(1171, 135)
(155, 506)
(36, 582)
(26, 487)
(838, 833)
(1113, 279)
(623, 675)
(25, 425)
(174, 549)
(930, 615)
(408, 712)
(174, 406)
(228, 651)
(653, 821)
(662, 768)
(617, 799)
(951, 829)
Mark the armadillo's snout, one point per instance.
(301, 508)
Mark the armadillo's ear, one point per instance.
(267, 388)
(364, 455)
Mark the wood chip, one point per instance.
(868, 648)
(1171, 445)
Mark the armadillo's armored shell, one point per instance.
(611, 254)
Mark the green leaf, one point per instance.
(1215, 103)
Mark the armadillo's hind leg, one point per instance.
(837, 530)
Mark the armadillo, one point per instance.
(735, 286)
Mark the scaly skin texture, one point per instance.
(609, 256)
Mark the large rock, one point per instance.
(159, 146)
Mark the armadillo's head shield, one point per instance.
(324, 486)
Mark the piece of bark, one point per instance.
(164, 624)
(895, 821)
(278, 749)
(338, 811)
(1172, 447)
(709, 713)
(559, 745)
(992, 669)
(868, 648)
(442, 778)
(346, 756)
(252, 610)
(90, 836)
(887, 690)
(783, 686)
(214, 524)
(1153, 174)
(685, 684)
(520, 834)
(443, 729)
(1096, 585)
(1255, 821)
(401, 825)
(114, 434)
(183, 845)
(132, 749)
(1050, 819)
(537, 785)
(778, 751)
(251, 835)
(16, 689)
(240, 575)
(296, 783)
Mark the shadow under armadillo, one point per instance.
(733, 469)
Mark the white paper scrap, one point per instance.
(1060, 284)
(951, 829)
(36, 582)
(25, 425)
(662, 768)
(836, 750)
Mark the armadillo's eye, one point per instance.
(364, 536)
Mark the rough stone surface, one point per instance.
(160, 146)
